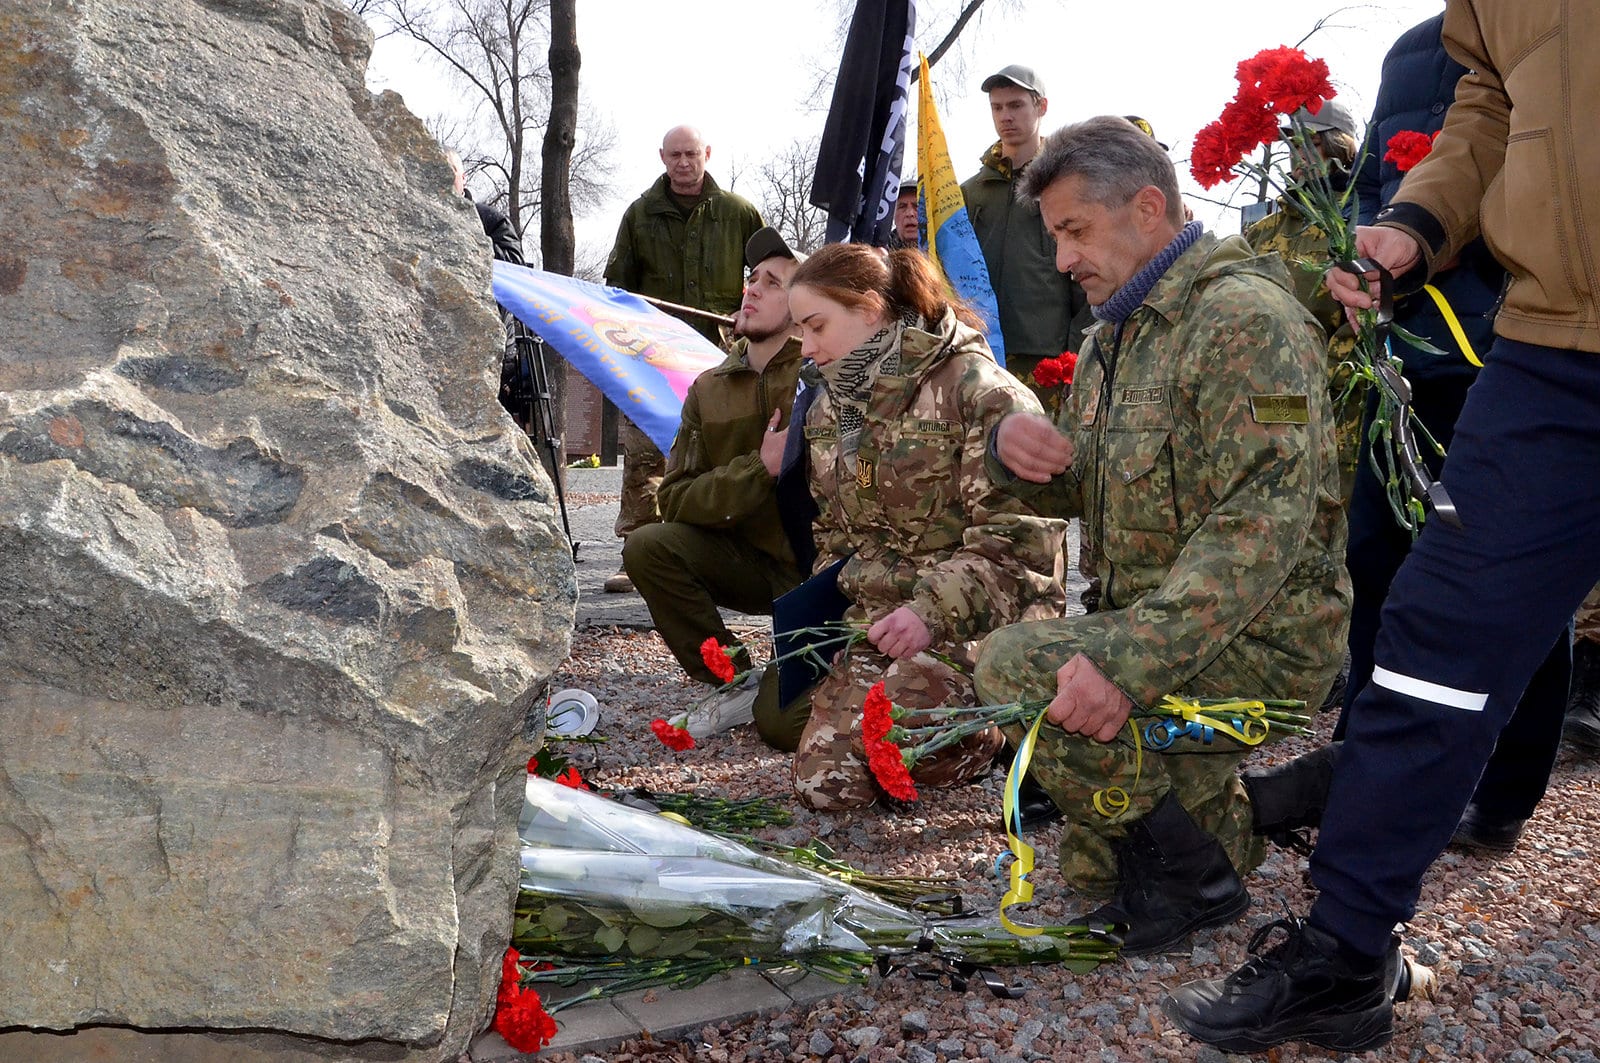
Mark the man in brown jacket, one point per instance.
(719, 542)
(1474, 608)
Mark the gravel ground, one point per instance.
(1513, 941)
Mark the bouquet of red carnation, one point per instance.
(893, 748)
(519, 1014)
(1278, 82)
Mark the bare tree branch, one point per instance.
(967, 11)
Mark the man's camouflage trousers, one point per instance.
(1103, 787)
(830, 765)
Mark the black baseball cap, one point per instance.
(766, 242)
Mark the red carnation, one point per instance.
(510, 976)
(889, 768)
(1056, 372)
(674, 738)
(1407, 148)
(571, 778)
(1245, 125)
(533, 764)
(876, 718)
(519, 1014)
(717, 659)
(524, 1023)
(1285, 80)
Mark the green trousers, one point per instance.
(1020, 662)
(684, 572)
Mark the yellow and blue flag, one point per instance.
(640, 358)
(948, 236)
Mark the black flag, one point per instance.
(858, 162)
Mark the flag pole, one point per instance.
(678, 308)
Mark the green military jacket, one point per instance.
(915, 509)
(715, 478)
(696, 261)
(1303, 246)
(1204, 470)
(1042, 312)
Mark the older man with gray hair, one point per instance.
(1198, 450)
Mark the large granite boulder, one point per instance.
(280, 584)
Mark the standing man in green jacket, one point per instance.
(720, 542)
(1198, 448)
(682, 242)
(1042, 312)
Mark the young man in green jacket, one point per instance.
(1042, 312)
(719, 542)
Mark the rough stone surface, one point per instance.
(280, 585)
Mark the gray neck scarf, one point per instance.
(849, 380)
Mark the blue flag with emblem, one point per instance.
(640, 358)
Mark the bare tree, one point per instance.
(497, 51)
(783, 192)
(557, 243)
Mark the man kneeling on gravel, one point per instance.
(719, 542)
(1198, 449)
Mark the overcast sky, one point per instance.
(741, 70)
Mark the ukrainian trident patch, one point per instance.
(864, 473)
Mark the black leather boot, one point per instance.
(1582, 728)
(1288, 800)
(1308, 987)
(1174, 879)
(1482, 832)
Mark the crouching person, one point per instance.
(1199, 451)
(719, 541)
(938, 556)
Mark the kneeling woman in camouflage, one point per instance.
(938, 557)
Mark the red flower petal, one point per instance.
(1407, 148)
(876, 716)
(571, 778)
(716, 658)
(524, 1023)
(674, 738)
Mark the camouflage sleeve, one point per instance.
(1009, 558)
(1261, 478)
(1060, 497)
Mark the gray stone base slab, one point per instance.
(667, 1014)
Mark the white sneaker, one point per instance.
(724, 710)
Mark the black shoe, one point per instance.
(1035, 806)
(1480, 832)
(1288, 800)
(1582, 727)
(1335, 696)
(1173, 879)
(1308, 987)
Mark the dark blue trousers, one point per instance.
(1469, 617)
(1515, 778)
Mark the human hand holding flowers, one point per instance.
(1393, 249)
(1086, 702)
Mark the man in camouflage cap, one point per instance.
(1198, 449)
(1331, 143)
